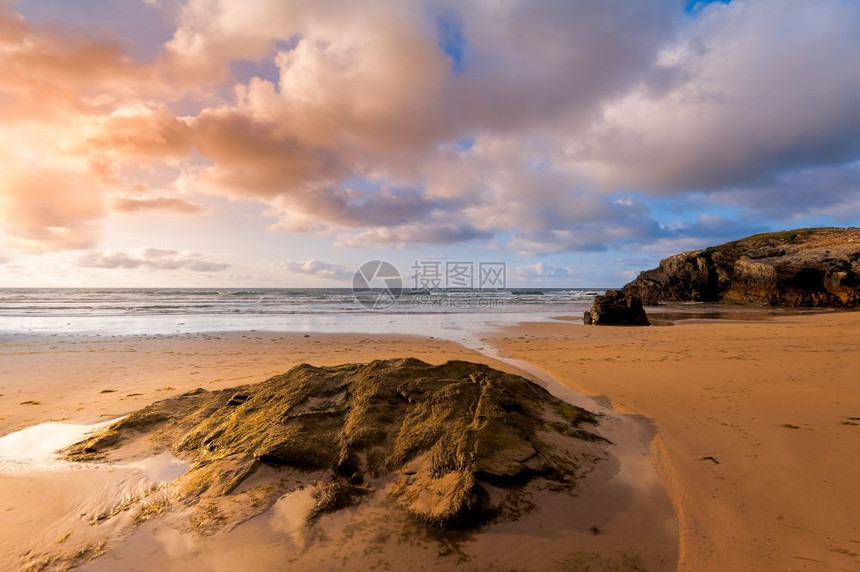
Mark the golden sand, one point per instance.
(758, 428)
(755, 427)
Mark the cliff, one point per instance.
(813, 267)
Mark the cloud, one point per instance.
(816, 191)
(157, 205)
(426, 233)
(714, 226)
(372, 125)
(57, 82)
(315, 267)
(51, 70)
(367, 93)
(542, 270)
(49, 209)
(141, 132)
(152, 258)
(376, 75)
(581, 220)
(758, 88)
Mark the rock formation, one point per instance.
(815, 267)
(615, 307)
(454, 444)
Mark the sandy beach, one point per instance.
(622, 517)
(758, 428)
(92, 378)
(752, 426)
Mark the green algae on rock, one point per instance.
(453, 444)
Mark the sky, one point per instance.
(169, 143)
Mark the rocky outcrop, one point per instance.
(453, 444)
(815, 267)
(615, 307)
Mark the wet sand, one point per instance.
(758, 428)
(621, 518)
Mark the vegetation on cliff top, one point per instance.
(796, 236)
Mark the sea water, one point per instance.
(171, 311)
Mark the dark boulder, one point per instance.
(616, 308)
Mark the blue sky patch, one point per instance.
(450, 39)
(693, 7)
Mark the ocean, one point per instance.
(164, 311)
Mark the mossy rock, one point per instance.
(435, 437)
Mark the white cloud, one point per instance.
(152, 258)
(157, 205)
(315, 267)
(353, 116)
(754, 88)
(542, 270)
